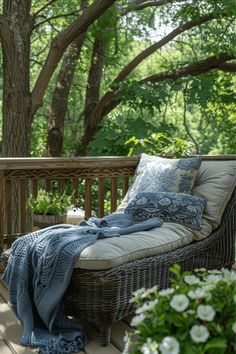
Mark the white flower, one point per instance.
(200, 270)
(229, 275)
(149, 291)
(137, 320)
(198, 293)
(179, 302)
(213, 278)
(137, 294)
(127, 341)
(214, 271)
(199, 334)
(169, 345)
(191, 279)
(147, 306)
(234, 327)
(205, 312)
(166, 292)
(149, 347)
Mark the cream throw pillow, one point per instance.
(215, 182)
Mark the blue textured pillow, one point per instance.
(158, 174)
(177, 207)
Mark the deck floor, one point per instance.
(11, 331)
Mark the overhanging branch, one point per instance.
(140, 5)
(228, 67)
(198, 68)
(210, 63)
(169, 37)
(44, 7)
(74, 13)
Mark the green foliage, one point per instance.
(49, 203)
(144, 96)
(189, 317)
(116, 130)
(161, 145)
(210, 97)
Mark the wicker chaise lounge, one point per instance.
(102, 285)
(103, 296)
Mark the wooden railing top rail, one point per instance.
(22, 163)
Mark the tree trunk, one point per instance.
(16, 91)
(92, 93)
(59, 105)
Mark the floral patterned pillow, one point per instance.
(177, 207)
(158, 174)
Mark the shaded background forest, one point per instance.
(134, 69)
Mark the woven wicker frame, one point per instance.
(102, 297)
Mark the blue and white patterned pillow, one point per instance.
(158, 174)
(177, 207)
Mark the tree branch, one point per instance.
(109, 100)
(44, 7)
(228, 67)
(200, 67)
(140, 5)
(214, 62)
(59, 45)
(74, 13)
(169, 37)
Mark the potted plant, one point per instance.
(195, 315)
(49, 208)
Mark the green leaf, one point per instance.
(216, 343)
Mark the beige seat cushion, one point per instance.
(111, 252)
(215, 181)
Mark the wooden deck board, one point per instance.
(118, 331)
(3, 291)
(11, 331)
(94, 346)
(4, 349)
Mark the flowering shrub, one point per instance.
(196, 315)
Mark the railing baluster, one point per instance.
(34, 191)
(125, 185)
(113, 193)
(48, 185)
(101, 195)
(88, 197)
(61, 185)
(8, 206)
(23, 195)
(75, 186)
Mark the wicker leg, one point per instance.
(105, 334)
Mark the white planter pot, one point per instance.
(42, 221)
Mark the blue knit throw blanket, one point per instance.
(39, 271)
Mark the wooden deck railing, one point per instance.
(101, 179)
(108, 177)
